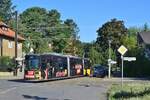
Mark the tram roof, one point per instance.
(58, 54)
(33, 54)
(62, 55)
(55, 54)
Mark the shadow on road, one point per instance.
(41, 81)
(22, 81)
(39, 98)
(35, 97)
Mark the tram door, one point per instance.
(76, 66)
(46, 67)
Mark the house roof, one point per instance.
(3, 24)
(8, 33)
(145, 37)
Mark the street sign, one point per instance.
(122, 50)
(110, 62)
(129, 58)
(113, 62)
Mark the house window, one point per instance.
(10, 44)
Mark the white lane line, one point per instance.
(5, 91)
(13, 88)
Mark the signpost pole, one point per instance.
(122, 72)
(122, 50)
(109, 62)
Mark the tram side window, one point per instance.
(43, 64)
(45, 61)
(60, 65)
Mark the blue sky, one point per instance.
(91, 14)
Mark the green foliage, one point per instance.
(71, 31)
(146, 27)
(45, 27)
(132, 31)
(80, 48)
(95, 56)
(6, 64)
(98, 56)
(86, 48)
(6, 10)
(113, 30)
(140, 67)
(130, 42)
(31, 21)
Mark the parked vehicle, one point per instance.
(99, 71)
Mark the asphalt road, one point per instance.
(71, 89)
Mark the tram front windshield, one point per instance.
(32, 62)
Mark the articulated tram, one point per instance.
(47, 66)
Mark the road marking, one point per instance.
(5, 91)
(13, 88)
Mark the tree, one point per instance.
(6, 10)
(50, 29)
(132, 31)
(86, 48)
(72, 30)
(130, 42)
(32, 21)
(95, 56)
(113, 30)
(146, 27)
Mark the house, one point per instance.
(7, 42)
(144, 41)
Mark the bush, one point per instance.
(138, 68)
(6, 64)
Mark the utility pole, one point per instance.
(109, 60)
(16, 33)
(16, 42)
(83, 61)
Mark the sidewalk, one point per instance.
(10, 77)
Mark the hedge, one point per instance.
(6, 64)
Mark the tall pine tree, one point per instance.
(6, 10)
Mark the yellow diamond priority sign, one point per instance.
(122, 50)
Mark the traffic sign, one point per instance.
(122, 50)
(129, 58)
(113, 62)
